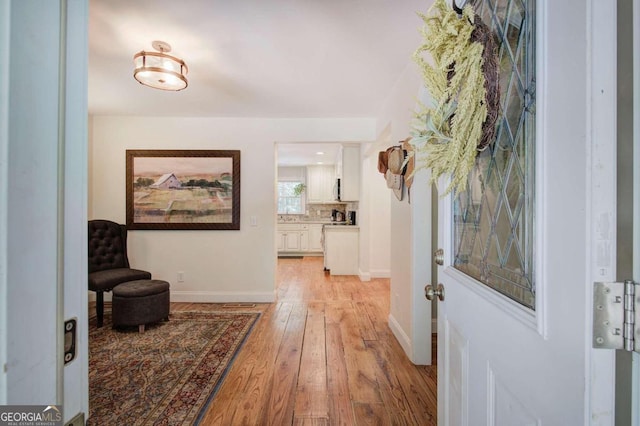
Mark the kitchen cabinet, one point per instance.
(289, 238)
(292, 241)
(341, 249)
(315, 237)
(281, 237)
(297, 237)
(348, 169)
(320, 180)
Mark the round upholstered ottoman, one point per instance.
(139, 303)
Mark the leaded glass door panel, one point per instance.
(493, 218)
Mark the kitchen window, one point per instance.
(288, 201)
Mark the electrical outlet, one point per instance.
(180, 277)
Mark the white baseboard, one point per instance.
(364, 276)
(222, 297)
(401, 336)
(209, 297)
(380, 273)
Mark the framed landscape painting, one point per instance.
(183, 189)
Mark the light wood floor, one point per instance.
(322, 354)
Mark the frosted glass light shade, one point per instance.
(160, 71)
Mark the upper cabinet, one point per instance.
(320, 181)
(348, 170)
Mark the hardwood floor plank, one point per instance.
(323, 354)
(363, 386)
(420, 396)
(371, 414)
(340, 409)
(367, 330)
(391, 390)
(280, 407)
(263, 356)
(248, 373)
(311, 393)
(311, 421)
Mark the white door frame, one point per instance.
(635, 401)
(601, 251)
(43, 146)
(5, 12)
(75, 393)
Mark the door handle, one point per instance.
(429, 292)
(438, 257)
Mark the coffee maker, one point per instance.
(351, 217)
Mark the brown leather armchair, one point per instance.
(108, 262)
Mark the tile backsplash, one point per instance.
(319, 212)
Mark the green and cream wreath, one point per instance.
(462, 79)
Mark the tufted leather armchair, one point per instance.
(108, 262)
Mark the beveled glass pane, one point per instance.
(502, 149)
(493, 219)
(493, 255)
(502, 228)
(513, 27)
(514, 189)
(500, 12)
(515, 106)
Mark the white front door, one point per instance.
(523, 245)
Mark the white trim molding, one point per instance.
(401, 336)
(222, 297)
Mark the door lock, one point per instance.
(438, 257)
(429, 292)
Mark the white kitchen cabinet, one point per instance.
(320, 180)
(292, 241)
(282, 236)
(304, 240)
(315, 237)
(298, 237)
(348, 169)
(289, 238)
(341, 249)
(288, 241)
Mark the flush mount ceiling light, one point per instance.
(159, 70)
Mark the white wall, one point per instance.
(375, 218)
(410, 226)
(218, 265)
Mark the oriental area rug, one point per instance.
(166, 375)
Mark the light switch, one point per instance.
(253, 220)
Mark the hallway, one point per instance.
(323, 355)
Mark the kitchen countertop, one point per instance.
(338, 227)
(303, 222)
(330, 224)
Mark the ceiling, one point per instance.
(254, 58)
(302, 154)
